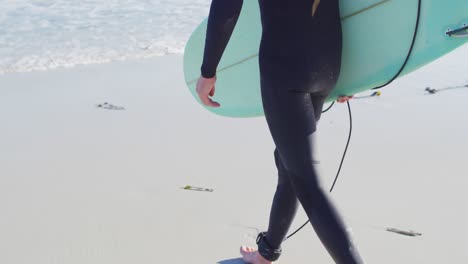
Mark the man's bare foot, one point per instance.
(251, 255)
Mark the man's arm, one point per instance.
(221, 22)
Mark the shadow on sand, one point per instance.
(231, 261)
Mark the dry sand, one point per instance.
(83, 184)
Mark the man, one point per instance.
(300, 59)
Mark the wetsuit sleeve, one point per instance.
(221, 22)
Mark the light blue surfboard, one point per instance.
(377, 35)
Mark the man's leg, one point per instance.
(291, 118)
(283, 209)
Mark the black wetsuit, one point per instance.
(300, 58)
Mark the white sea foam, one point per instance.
(45, 34)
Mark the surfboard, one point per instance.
(377, 36)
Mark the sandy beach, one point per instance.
(82, 184)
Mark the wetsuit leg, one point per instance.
(291, 117)
(284, 206)
(285, 203)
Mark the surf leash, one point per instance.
(416, 30)
(331, 105)
(341, 163)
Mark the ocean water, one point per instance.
(46, 34)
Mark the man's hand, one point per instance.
(344, 99)
(205, 89)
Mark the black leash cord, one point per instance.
(416, 29)
(331, 105)
(341, 163)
